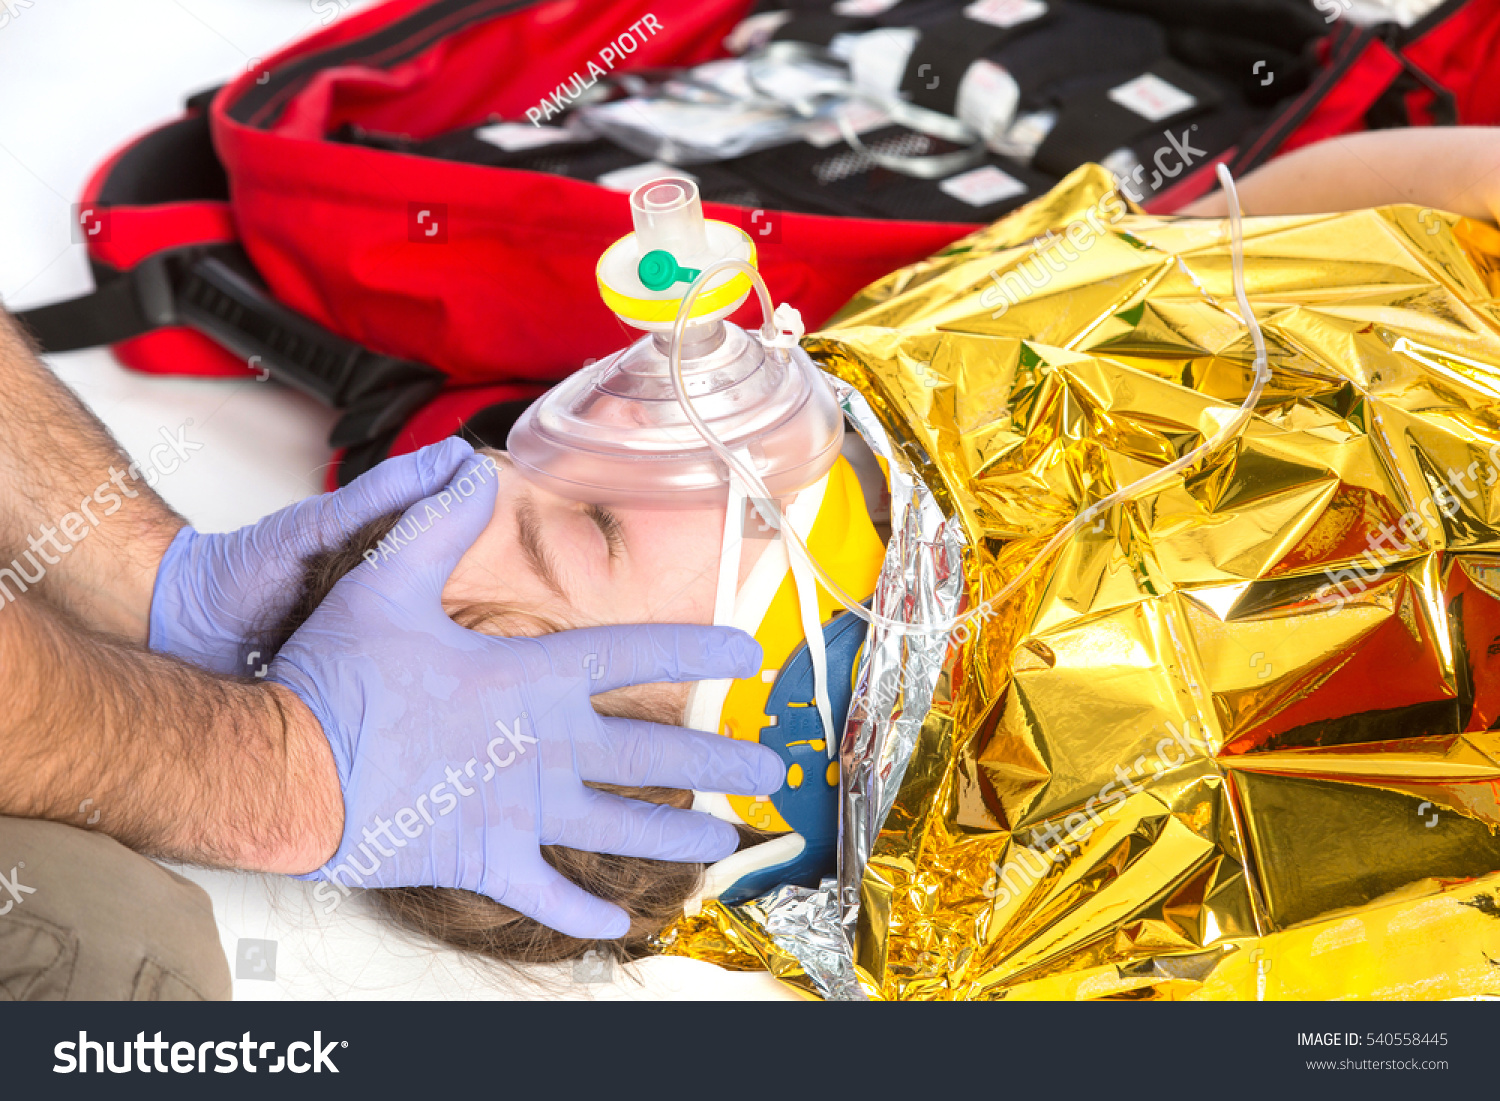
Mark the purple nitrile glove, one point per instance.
(461, 754)
(213, 591)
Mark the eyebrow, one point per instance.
(529, 535)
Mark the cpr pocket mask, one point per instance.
(620, 432)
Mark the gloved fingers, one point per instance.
(395, 483)
(416, 558)
(629, 827)
(646, 653)
(540, 891)
(636, 753)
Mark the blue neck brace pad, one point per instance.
(809, 800)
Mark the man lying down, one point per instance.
(1200, 733)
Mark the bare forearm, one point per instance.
(176, 762)
(1455, 169)
(71, 509)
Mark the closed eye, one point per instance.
(609, 526)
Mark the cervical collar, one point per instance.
(798, 703)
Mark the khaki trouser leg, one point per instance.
(85, 918)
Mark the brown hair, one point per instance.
(652, 892)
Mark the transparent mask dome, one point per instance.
(615, 432)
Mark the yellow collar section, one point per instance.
(844, 540)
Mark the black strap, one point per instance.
(1347, 44)
(215, 291)
(109, 315)
(201, 101)
(1414, 77)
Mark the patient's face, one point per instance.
(580, 565)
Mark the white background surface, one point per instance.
(78, 78)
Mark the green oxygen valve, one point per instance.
(658, 270)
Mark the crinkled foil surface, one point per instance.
(804, 936)
(1234, 739)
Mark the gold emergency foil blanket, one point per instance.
(1233, 739)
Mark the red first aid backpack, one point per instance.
(421, 296)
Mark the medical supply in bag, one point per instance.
(721, 109)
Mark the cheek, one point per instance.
(678, 556)
(682, 537)
(683, 545)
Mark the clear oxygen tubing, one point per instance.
(1227, 432)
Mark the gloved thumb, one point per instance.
(431, 536)
(394, 484)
